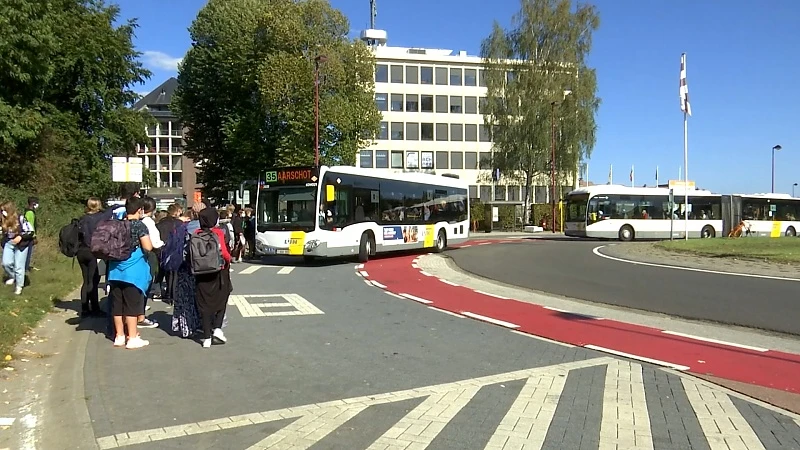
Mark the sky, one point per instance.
(742, 67)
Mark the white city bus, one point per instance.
(344, 210)
(628, 213)
(772, 215)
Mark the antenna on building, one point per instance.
(372, 36)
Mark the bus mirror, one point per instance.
(329, 197)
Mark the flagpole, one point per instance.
(656, 176)
(685, 177)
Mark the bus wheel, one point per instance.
(626, 233)
(441, 242)
(791, 231)
(708, 232)
(364, 248)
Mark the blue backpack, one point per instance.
(172, 255)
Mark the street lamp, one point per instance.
(553, 157)
(793, 186)
(777, 148)
(319, 59)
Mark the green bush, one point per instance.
(544, 210)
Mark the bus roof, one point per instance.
(411, 177)
(772, 196)
(601, 189)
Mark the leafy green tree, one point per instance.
(246, 88)
(67, 73)
(528, 68)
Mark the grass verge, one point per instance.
(778, 250)
(54, 280)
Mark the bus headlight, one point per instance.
(312, 244)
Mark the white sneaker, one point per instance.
(119, 341)
(18, 291)
(137, 342)
(220, 335)
(206, 343)
(9, 282)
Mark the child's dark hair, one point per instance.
(149, 204)
(133, 204)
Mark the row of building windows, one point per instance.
(539, 194)
(412, 159)
(414, 131)
(428, 103)
(442, 76)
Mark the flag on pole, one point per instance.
(656, 176)
(684, 88)
(610, 174)
(631, 176)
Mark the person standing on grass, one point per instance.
(130, 279)
(90, 301)
(30, 216)
(18, 234)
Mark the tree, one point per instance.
(246, 88)
(67, 73)
(528, 68)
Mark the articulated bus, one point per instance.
(772, 215)
(628, 213)
(344, 210)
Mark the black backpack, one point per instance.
(69, 239)
(205, 253)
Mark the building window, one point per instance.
(441, 160)
(397, 74)
(397, 131)
(456, 132)
(412, 74)
(412, 160)
(412, 102)
(441, 76)
(473, 192)
(366, 159)
(426, 75)
(397, 160)
(513, 193)
(482, 78)
(486, 193)
(455, 104)
(381, 159)
(471, 132)
(483, 134)
(426, 160)
(426, 103)
(426, 131)
(441, 132)
(470, 105)
(485, 161)
(381, 73)
(383, 132)
(397, 102)
(510, 76)
(499, 193)
(412, 131)
(482, 105)
(471, 160)
(382, 101)
(470, 77)
(455, 77)
(456, 160)
(441, 104)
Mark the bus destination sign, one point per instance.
(291, 175)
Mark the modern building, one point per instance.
(176, 175)
(431, 101)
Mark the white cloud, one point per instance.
(160, 60)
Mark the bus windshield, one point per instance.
(576, 208)
(289, 208)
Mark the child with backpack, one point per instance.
(209, 261)
(18, 236)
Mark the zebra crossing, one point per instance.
(253, 268)
(599, 403)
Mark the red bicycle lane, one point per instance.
(761, 367)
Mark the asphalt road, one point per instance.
(361, 369)
(567, 267)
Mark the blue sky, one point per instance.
(742, 67)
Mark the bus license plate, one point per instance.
(282, 252)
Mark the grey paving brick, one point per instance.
(672, 419)
(774, 429)
(576, 423)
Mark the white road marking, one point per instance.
(637, 357)
(359, 266)
(446, 312)
(625, 423)
(449, 282)
(414, 265)
(416, 299)
(722, 423)
(552, 308)
(425, 273)
(540, 338)
(368, 283)
(490, 320)
(395, 295)
(484, 243)
(465, 246)
(491, 295)
(302, 307)
(364, 273)
(7, 421)
(450, 394)
(250, 270)
(285, 270)
(597, 252)
(378, 285)
(309, 429)
(715, 341)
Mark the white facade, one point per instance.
(164, 155)
(431, 102)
